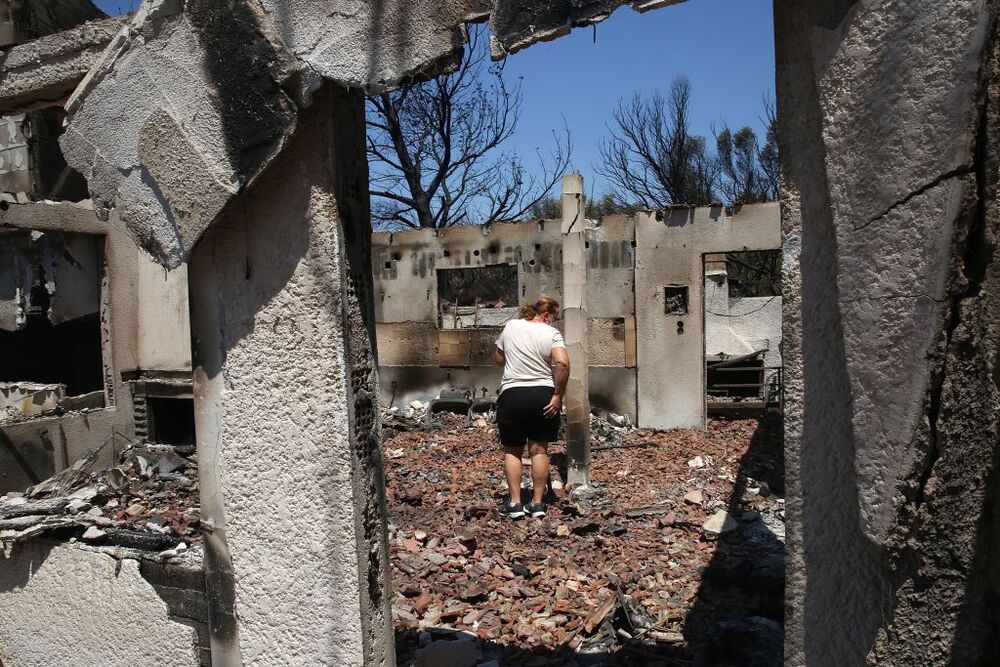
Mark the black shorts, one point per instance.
(520, 416)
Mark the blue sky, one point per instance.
(115, 7)
(725, 47)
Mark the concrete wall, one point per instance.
(285, 409)
(424, 361)
(163, 317)
(671, 347)
(618, 286)
(65, 606)
(404, 264)
(889, 135)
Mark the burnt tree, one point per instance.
(435, 150)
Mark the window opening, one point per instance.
(477, 297)
(50, 302)
(675, 299)
(754, 273)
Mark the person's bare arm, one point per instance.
(560, 373)
(499, 358)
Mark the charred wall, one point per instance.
(420, 354)
(630, 262)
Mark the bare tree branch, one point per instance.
(651, 155)
(434, 149)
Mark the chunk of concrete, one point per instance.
(694, 497)
(203, 85)
(719, 523)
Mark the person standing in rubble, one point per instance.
(535, 371)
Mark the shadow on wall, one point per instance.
(252, 118)
(979, 617)
(408, 641)
(15, 571)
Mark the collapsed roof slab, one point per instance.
(44, 72)
(213, 91)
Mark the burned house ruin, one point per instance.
(241, 158)
(648, 280)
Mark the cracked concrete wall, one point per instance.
(65, 606)
(285, 409)
(889, 135)
(214, 91)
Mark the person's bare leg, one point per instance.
(539, 469)
(512, 470)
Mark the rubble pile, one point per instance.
(415, 417)
(678, 540)
(148, 501)
(608, 430)
(412, 417)
(604, 430)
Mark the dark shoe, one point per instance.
(512, 510)
(536, 510)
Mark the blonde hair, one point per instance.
(530, 311)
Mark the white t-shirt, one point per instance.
(527, 347)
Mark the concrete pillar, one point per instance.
(574, 315)
(291, 474)
(889, 131)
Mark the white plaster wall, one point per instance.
(64, 606)
(611, 267)
(164, 327)
(741, 325)
(279, 417)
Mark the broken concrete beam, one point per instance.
(44, 72)
(518, 24)
(890, 334)
(47, 506)
(374, 45)
(204, 86)
(213, 92)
